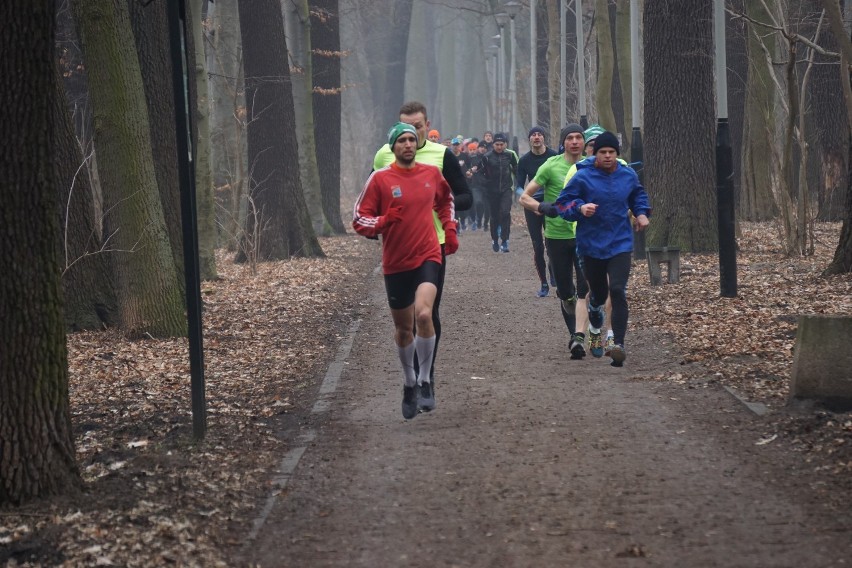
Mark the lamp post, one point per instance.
(502, 19)
(498, 104)
(581, 64)
(492, 52)
(724, 164)
(563, 68)
(512, 8)
(636, 140)
(533, 64)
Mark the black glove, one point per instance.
(548, 209)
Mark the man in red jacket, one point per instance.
(397, 203)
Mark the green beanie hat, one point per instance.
(592, 132)
(398, 130)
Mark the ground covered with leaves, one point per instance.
(152, 496)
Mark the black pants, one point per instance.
(535, 225)
(565, 263)
(616, 271)
(500, 204)
(436, 317)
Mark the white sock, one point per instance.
(609, 334)
(406, 357)
(425, 347)
(594, 330)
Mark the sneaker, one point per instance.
(618, 355)
(545, 290)
(569, 305)
(409, 402)
(595, 345)
(608, 345)
(426, 401)
(576, 347)
(505, 246)
(473, 226)
(596, 316)
(494, 246)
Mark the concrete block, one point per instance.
(822, 361)
(663, 255)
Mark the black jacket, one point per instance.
(499, 170)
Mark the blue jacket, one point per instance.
(608, 232)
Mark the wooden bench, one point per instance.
(670, 256)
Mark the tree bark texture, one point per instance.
(149, 290)
(151, 33)
(280, 213)
(87, 283)
(759, 166)
(36, 446)
(828, 109)
(606, 67)
(297, 23)
(736, 31)
(204, 195)
(680, 124)
(325, 42)
(554, 69)
(542, 68)
(228, 110)
(623, 62)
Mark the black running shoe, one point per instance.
(426, 400)
(576, 347)
(409, 402)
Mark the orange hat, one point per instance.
(433, 133)
(472, 145)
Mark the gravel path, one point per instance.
(531, 459)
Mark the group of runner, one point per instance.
(416, 188)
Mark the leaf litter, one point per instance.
(154, 497)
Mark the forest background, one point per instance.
(282, 138)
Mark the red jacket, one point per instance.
(411, 241)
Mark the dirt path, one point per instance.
(531, 459)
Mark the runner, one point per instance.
(398, 202)
(598, 197)
(559, 236)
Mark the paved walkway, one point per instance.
(531, 459)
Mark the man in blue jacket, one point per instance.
(597, 198)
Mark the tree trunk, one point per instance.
(204, 198)
(278, 225)
(228, 119)
(88, 291)
(606, 65)
(297, 22)
(36, 447)
(829, 141)
(151, 31)
(736, 30)
(624, 55)
(144, 265)
(541, 71)
(554, 69)
(680, 125)
(759, 166)
(325, 40)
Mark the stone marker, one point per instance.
(822, 362)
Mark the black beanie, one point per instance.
(606, 140)
(569, 129)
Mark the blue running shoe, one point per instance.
(505, 247)
(595, 345)
(545, 290)
(494, 246)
